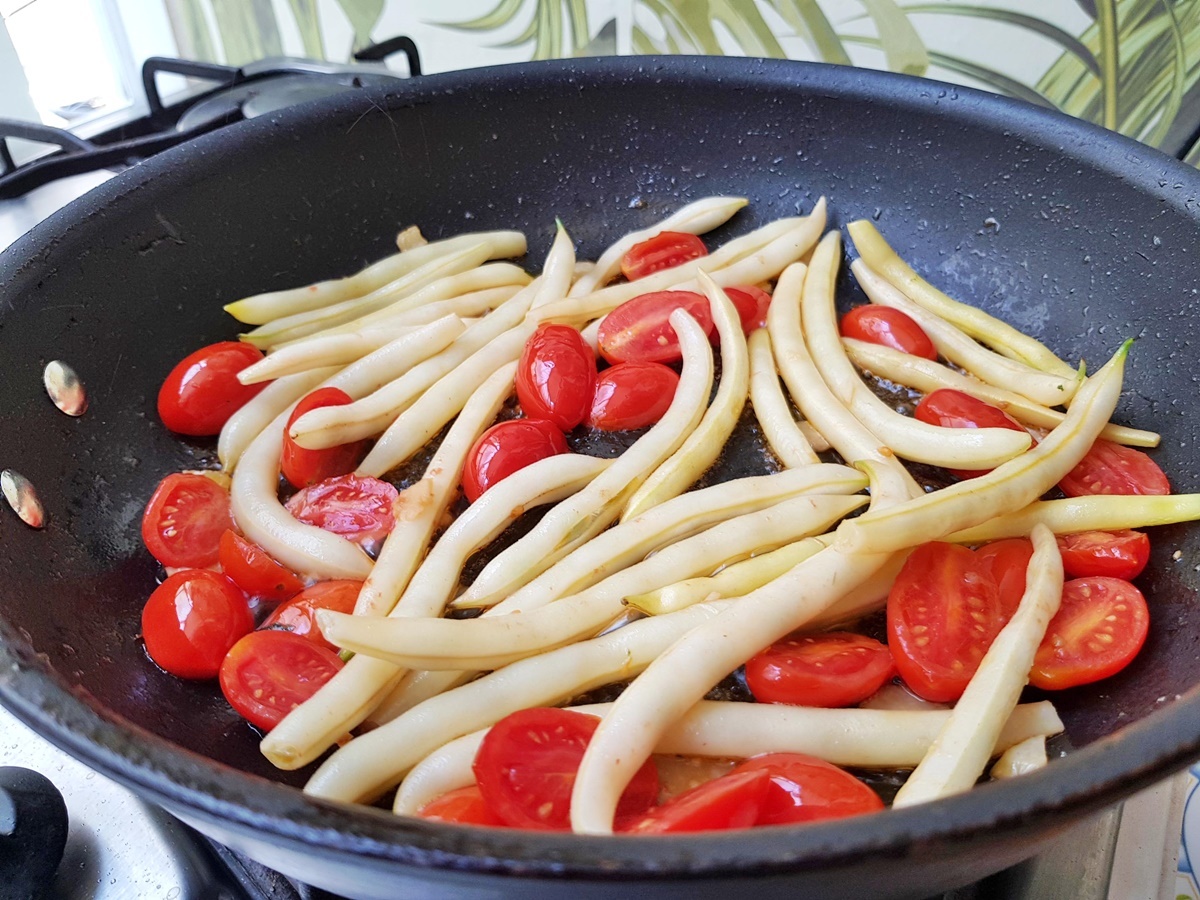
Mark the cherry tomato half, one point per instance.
(1110, 468)
(255, 571)
(202, 391)
(942, 615)
(954, 409)
(267, 674)
(807, 789)
(191, 620)
(632, 395)
(358, 507)
(526, 769)
(556, 376)
(731, 801)
(507, 448)
(464, 806)
(1115, 554)
(665, 250)
(298, 615)
(829, 670)
(1098, 630)
(184, 520)
(888, 327)
(752, 303)
(303, 467)
(639, 331)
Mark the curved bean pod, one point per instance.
(248, 422)
(771, 407)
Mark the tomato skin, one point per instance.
(358, 507)
(806, 789)
(302, 467)
(506, 448)
(267, 674)
(752, 304)
(829, 670)
(254, 570)
(298, 615)
(184, 520)
(1098, 630)
(1110, 468)
(556, 376)
(639, 331)
(202, 391)
(632, 395)
(1006, 562)
(526, 769)
(731, 801)
(464, 806)
(1115, 554)
(889, 328)
(191, 620)
(934, 635)
(665, 250)
(954, 409)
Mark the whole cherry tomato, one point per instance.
(303, 467)
(506, 448)
(298, 614)
(632, 395)
(888, 327)
(202, 391)
(954, 409)
(184, 520)
(464, 806)
(556, 376)
(267, 674)
(665, 250)
(806, 789)
(1110, 468)
(639, 330)
(752, 303)
(731, 801)
(191, 620)
(254, 570)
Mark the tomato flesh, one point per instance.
(632, 395)
(191, 620)
(255, 571)
(665, 250)
(267, 674)
(954, 409)
(302, 467)
(527, 763)
(889, 328)
(1006, 563)
(556, 376)
(298, 615)
(807, 789)
(731, 801)
(752, 304)
(202, 391)
(358, 507)
(1115, 554)
(942, 615)
(639, 330)
(1098, 630)
(827, 670)
(1110, 468)
(507, 448)
(464, 806)
(184, 521)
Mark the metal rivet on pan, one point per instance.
(65, 388)
(21, 496)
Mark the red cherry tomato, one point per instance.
(303, 467)
(731, 801)
(942, 615)
(556, 376)
(1006, 563)
(829, 670)
(357, 507)
(639, 331)
(202, 391)
(267, 674)
(191, 620)
(632, 395)
(298, 615)
(184, 521)
(1115, 554)
(1110, 468)
(752, 303)
(464, 806)
(665, 250)
(507, 448)
(253, 570)
(888, 327)
(1098, 630)
(526, 769)
(954, 409)
(807, 789)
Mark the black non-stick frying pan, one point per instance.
(1077, 235)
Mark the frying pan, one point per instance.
(1079, 236)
